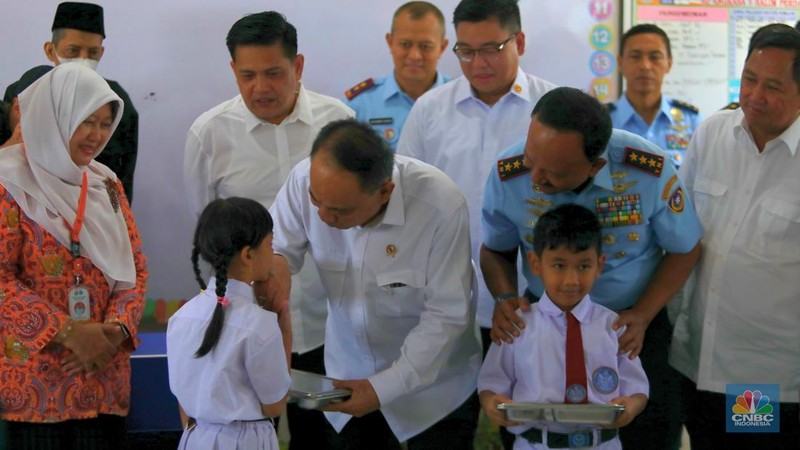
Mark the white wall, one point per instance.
(170, 56)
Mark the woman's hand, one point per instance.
(91, 349)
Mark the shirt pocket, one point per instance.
(707, 195)
(777, 233)
(401, 293)
(332, 271)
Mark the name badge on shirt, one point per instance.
(79, 303)
(381, 121)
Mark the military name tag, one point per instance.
(79, 303)
(381, 121)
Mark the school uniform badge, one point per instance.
(605, 380)
(576, 393)
(511, 167)
(647, 162)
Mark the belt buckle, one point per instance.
(578, 439)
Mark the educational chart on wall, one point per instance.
(709, 42)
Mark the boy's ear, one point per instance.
(533, 261)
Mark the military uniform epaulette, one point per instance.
(643, 160)
(684, 105)
(731, 105)
(359, 88)
(610, 106)
(511, 167)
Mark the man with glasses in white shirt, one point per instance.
(462, 126)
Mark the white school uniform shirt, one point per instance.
(533, 367)
(453, 130)
(232, 153)
(739, 321)
(245, 369)
(401, 312)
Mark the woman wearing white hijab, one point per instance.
(72, 275)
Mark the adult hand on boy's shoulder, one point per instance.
(632, 339)
(489, 401)
(506, 323)
(633, 404)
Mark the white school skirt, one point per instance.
(258, 435)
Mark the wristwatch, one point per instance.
(505, 296)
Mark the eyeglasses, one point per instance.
(488, 52)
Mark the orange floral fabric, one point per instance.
(36, 273)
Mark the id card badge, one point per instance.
(79, 303)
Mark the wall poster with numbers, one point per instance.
(709, 42)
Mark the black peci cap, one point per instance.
(80, 16)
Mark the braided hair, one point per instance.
(225, 227)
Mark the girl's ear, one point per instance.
(245, 256)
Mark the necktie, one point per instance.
(576, 367)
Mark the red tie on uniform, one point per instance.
(576, 367)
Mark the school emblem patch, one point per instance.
(576, 393)
(645, 161)
(605, 380)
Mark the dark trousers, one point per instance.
(706, 416)
(101, 433)
(659, 425)
(306, 426)
(455, 432)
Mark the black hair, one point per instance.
(778, 35)
(418, 11)
(225, 227)
(569, 225)
(5, 128)
(264, 28)
(645, 28)
(570, 109)
(505, 11)
(357, 148)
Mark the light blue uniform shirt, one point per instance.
(385, 107)
(668, 221)
(671, 129)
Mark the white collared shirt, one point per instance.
(533, 367)
(739, 323)
(245, 369)
(453, 130)
(401, 312)
(232, 153)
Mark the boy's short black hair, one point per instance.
(569, 225)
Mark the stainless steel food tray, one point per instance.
(313, 391)
(563, 413)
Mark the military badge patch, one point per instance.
(511, 167)
(619, 210)
(668, 187)
(677, 201)
(645, 161)
(359, 88)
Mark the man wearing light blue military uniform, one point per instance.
(645, 58)
(651, 235)
(416, 42)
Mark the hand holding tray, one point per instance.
(313, 391)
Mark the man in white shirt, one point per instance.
(462, 126)
(739, 322)
(390, 237)
(247, 146)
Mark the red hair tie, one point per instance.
(223, 301)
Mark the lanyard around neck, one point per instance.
(75, 229)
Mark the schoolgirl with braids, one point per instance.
(226, 356)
